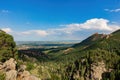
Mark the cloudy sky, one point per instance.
(46, 20)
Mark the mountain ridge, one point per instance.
(95, 58)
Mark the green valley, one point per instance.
(95, 58)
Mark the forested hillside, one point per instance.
(95, 58)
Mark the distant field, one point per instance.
(44, 44)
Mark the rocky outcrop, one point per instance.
(11, 75)
(9, 68)
(96, 70)
(67, 50)
(10, 64)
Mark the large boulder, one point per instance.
(11, 75)
(10, 64)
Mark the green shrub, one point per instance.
(30, 66)
(2, 76)
(7, 46)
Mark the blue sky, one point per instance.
(58, 19)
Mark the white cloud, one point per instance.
(38, 32)
(7, 30)
(92, 24)
(95, 24)
(113, 10)
(68, 31)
